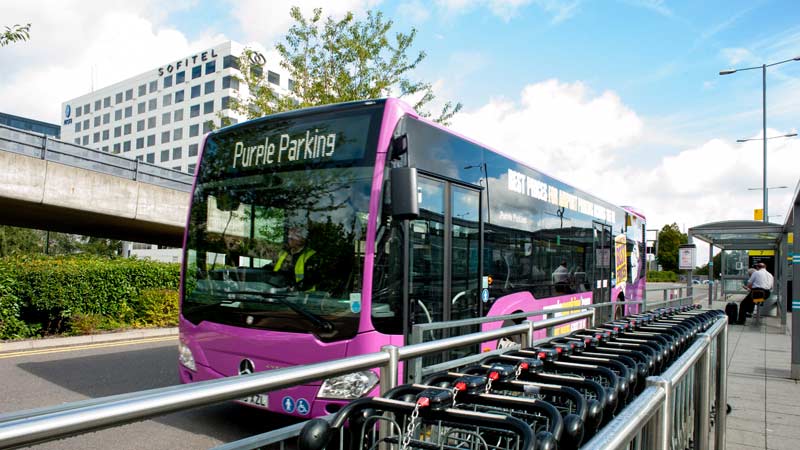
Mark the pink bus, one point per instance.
(329, 232)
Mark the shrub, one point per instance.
(662, 276)
(83, 293)
(157, 307)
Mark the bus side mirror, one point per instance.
(405, 204)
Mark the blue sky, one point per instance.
(621, 98)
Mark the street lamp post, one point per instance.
(763, 68)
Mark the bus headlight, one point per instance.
(348, 387)
(185, 357)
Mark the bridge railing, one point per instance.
(44, 147)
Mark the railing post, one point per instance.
(389, 372)
(414, 373)
(666, 295)
(644, 299)
(529, 335)
(722, 388)
(44, 146)
(702, 396)
(593, 318)
(663, 434)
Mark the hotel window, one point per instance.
(165, 137)
(105, 135)
(166, 118)
(151, 122)
(193, 150)
(117, 132)
(152, 104)
(78, 111)
(86, 109)
(208, 107)
(197, 71)
(179, 96)
(96, 137)
(85, 140)
(140, 158)
(166, 100)
(225, 102)
(151, 158)
(77, 127)
(230, 61)
(142, 90)
(176, 153)
(117, 147)
(97, 105)
(107, 102)
(128, 111)
(129, 94)
(118, 98)
(177, 134)
(208, 125)
(141, 108)
(127, 129)
(211, 67)
(105, 148)
(291, 84)
(97, 121)
(209, 87)
(178, 116)
(118, 114)
(139, 143)
(151, 140)
(164, 155)
(194, 111)
(126, 146)
(85, 124)
(153, 86)
(190, 168)
(178, 168)
(273, 77)
(106, 118)
(167, 81)
(196, 91)
(194, 130)
(140, 125)
(77, 141)
(180, 77)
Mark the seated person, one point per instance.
(758, 285)
(297, 262)
(561, 278)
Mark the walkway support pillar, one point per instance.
(795, 294)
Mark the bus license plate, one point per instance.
(258, 400)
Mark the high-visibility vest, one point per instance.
(299, 265)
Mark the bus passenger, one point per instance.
(561, 278)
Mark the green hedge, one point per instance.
(662, 276)
(45, 295)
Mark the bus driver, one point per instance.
(297, 262)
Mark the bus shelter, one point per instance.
(744, 242)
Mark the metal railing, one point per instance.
(44, 147)
(45, 424)
(675, 410)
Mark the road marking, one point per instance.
(45, 351)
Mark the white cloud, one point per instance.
(555, 126)
(71, 41)
(508, 9)
(268, 21)
(736, 56)
(414, 10)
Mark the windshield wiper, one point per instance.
(318, 321)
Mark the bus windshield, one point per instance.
(278, 222)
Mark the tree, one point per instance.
(334, 61)
(669, 239)
(717, 267)
(15, 33)
(20, 241)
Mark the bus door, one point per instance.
(445, 251)
(601, 285)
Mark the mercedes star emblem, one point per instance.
(246, 367)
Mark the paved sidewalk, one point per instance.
(765, 402)
(33, 344)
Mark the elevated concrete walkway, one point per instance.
(52, 185)
(765, 401)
